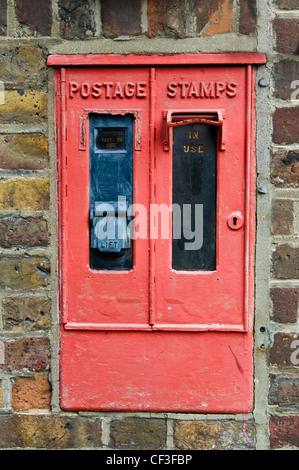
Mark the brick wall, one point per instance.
(30, 416)
(284, 289)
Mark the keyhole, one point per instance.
(235, 220)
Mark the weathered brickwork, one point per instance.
(283, 217)
(286, 72)
(24, 194)
(19, 231)
(170, 18)
(24, 273)
(285, 304)
(21, 106)
(248, 16)
(166, 18)
(212, 436)
(41, 431)
(284, 390)
(23, 314)
(286, 262)
(137, 433)
(284, 432)
(29, 393)
(77, 21)
(23, 151)
(36, 15)
(121, 18)
(287, 35)
(285, 125)
(3, 17)
(284, 350)
(23, 68)
(28, 353)
(285, 168)
(30, 30)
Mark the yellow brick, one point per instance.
(24, 194)
(27, 273)
(35, 145)
(23, 67)
(23, 151)
(23, 107)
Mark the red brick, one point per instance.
(35, 14)
(19, 231)
(221, 21)
(30, 393)
(282, 217)
(285, 169)
(285, 73)
(26, 353)
(282, 350)
(285, 262)
(248, 16)
(285, 304)
(284, 390)
(286, 125)
(287, 35)
(284, 431)
(166, 18)
(203, 12)
(77, 18)
(121, 17)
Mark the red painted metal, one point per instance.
(141, 371)
(152, 182)
(175, 118)
(153, 338)
(210, 300)
(237, 58)
(95, 300)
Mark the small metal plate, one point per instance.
(111, 139)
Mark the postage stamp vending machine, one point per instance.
(156, 210)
